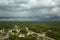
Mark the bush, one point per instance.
(13, 37)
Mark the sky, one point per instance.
(30, 10)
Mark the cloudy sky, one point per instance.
(33, 10)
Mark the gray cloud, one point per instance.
(41, 9)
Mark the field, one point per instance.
(29, 30)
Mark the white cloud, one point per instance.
(29, 8)
(56, 11)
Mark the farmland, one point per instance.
(29, 30)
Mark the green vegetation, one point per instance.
(52, 29)
(15, 37)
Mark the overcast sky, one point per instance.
(41, 9)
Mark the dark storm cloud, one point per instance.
(41, 9)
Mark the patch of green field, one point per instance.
(52, 29)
